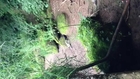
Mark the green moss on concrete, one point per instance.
(90, 38)
(62, 24)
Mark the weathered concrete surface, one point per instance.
(74, 11)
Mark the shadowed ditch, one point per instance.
(122, 56)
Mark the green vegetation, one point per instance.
(62, 24)
(93, 37)
(62, 41)
(58, 72)
(25, 38)
(27, 34)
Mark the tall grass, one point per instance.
(62, 71)
(23, 45)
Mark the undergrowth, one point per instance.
(58, 72)
(25, 32)
(27, 35)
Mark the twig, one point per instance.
(2, 44)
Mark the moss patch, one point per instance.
(62, 23)
(53, 47)
(90, 38)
